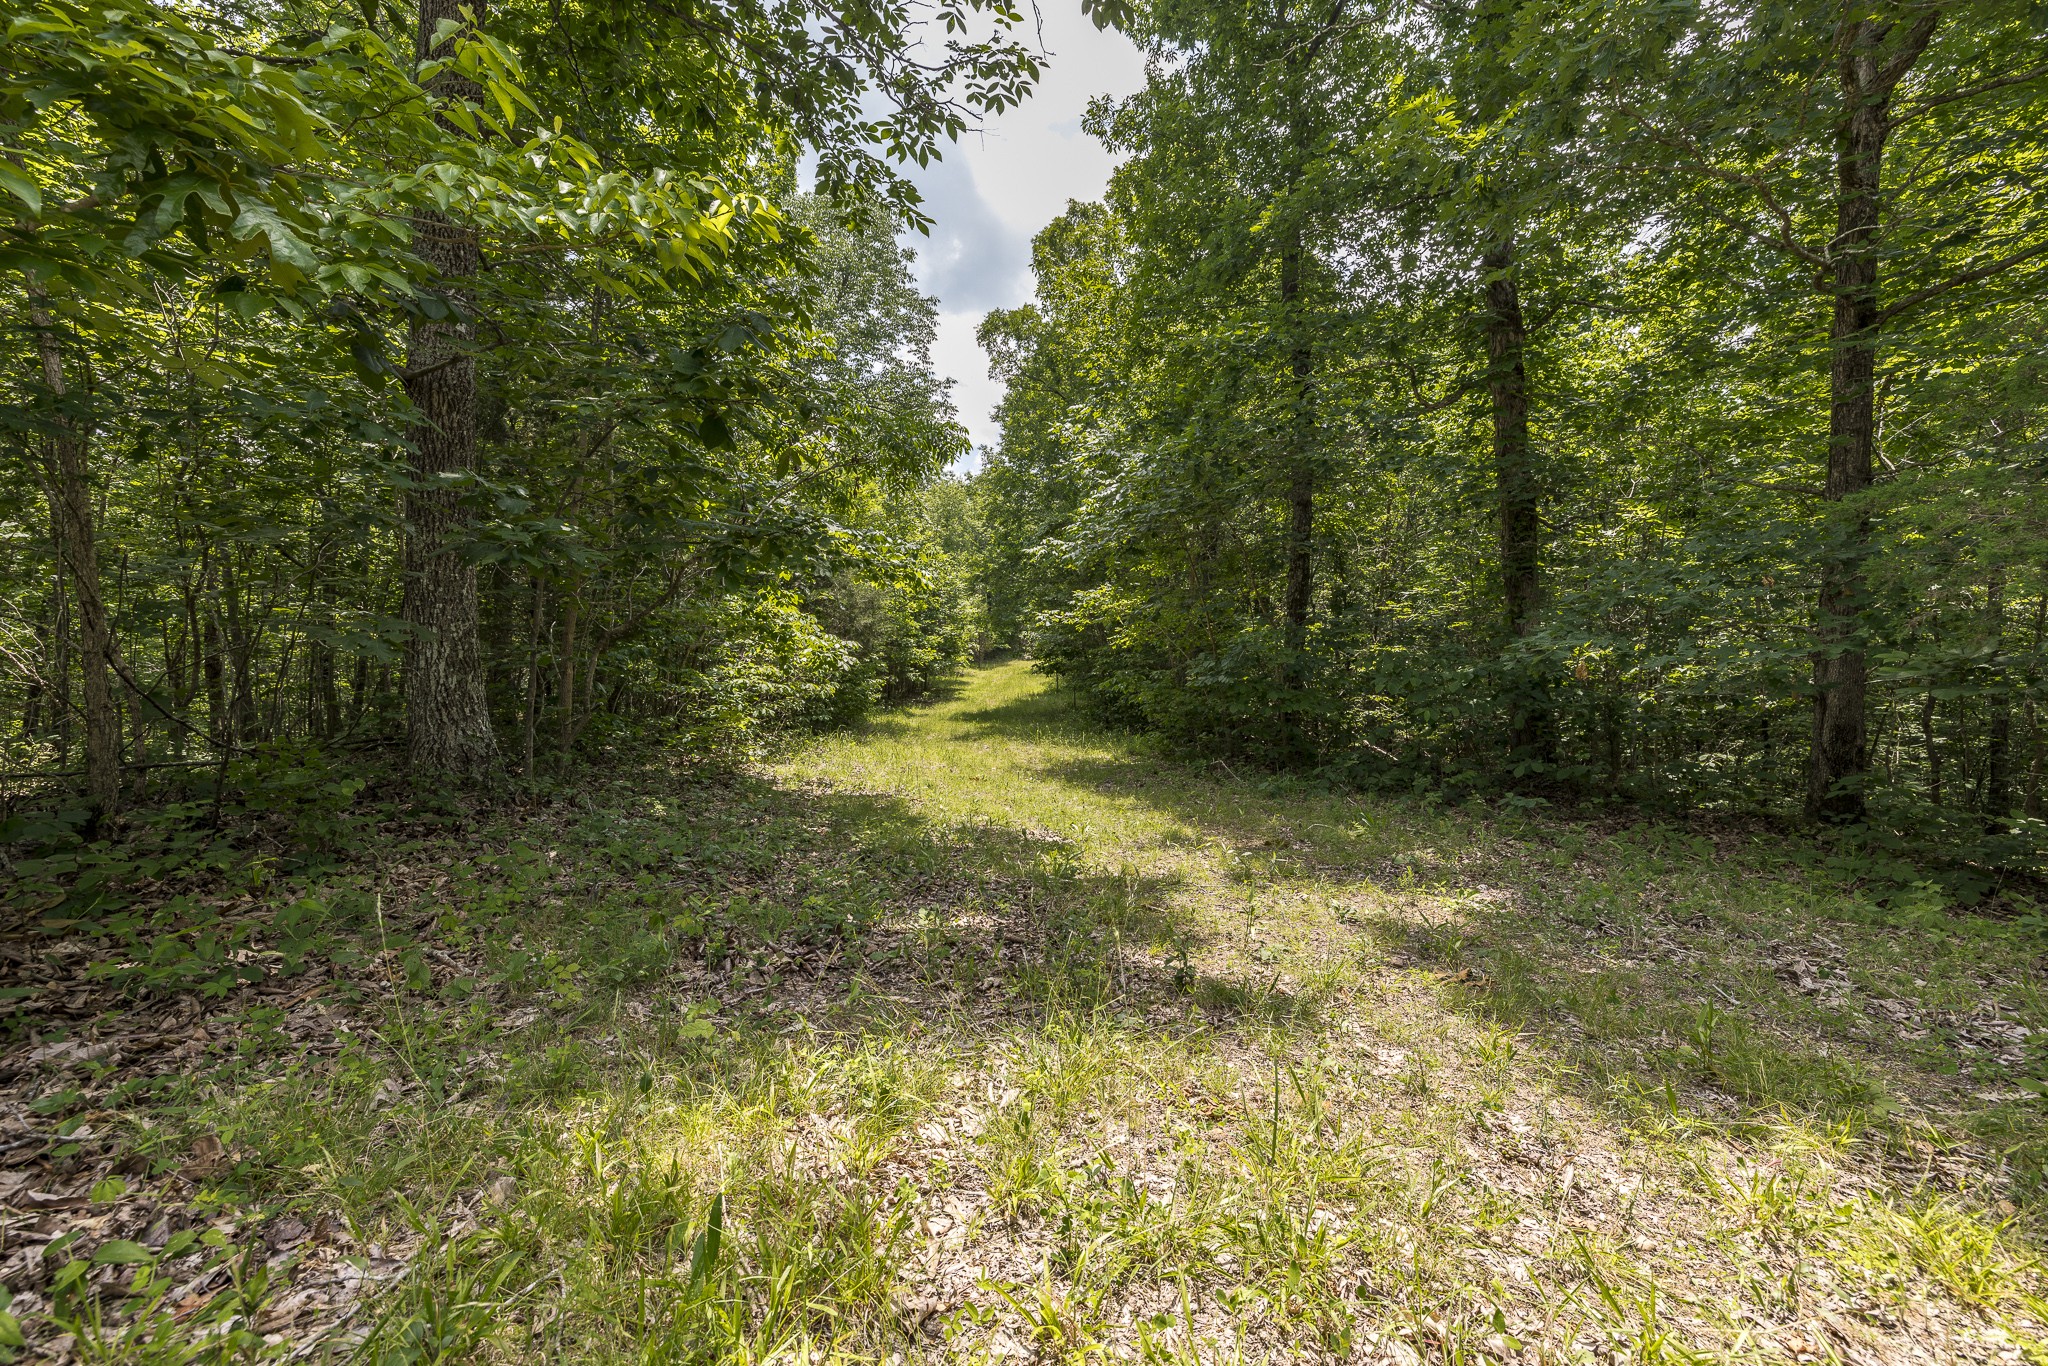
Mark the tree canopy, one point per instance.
(472, 374)
(1603, 402)
(1611, 402)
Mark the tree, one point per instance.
(1060, 359)
(226, 237)
(126, 131)
(1785, 130)
(447, 719)
(1598, 490)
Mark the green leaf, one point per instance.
(121, 1252)
(285, 245)
(705, 1257)
(21, 187)
(1109, 13)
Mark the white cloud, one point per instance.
(999, 186)
(972, 260)
(960, 359)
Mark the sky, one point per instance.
(996, 188)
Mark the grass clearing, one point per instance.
(983, 1034)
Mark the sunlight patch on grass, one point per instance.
(986, 1034)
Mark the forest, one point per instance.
(1462, 782)
(359, 393)
(1556, 405)
(1632, 401)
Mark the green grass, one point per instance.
(983, 1033)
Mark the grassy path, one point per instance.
(1311, 1073)
(984, 1035)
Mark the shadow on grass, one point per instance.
(705, 946)
(1036, 717)
(808, 882)
(666, 888)
(1683, 1009)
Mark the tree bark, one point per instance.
(1871, 68)
(1301, 483)
(2032, 805)
(447, 713)
(241, 651)
(1998, 743)
(359, 690)
(531, 715)
(32, 706)
(72, 519)
(56, 675)
(1933, 748)
(567, 697)
(1518, 490)
(183, 671)
(138, 722)
(219, 724)
(326, 699)
(174, 681)
(1298, 593)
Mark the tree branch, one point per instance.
(1910, 50)
(1920, 107)
(1968, 277)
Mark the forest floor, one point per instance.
(982, 1033)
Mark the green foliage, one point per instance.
(1284, 316)
(919, 620)
(700, 397)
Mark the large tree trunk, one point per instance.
(71, 516)
(241, 655)
(1871, 68)
(1301, 482)
(448, 722)
(1298, 594)
(1518, 490)
(1998, 742)
(1835, 775)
